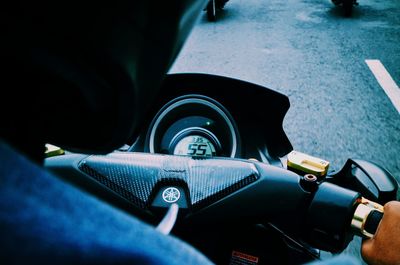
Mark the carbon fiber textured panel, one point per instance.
(137, 176)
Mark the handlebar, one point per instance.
(223, 190)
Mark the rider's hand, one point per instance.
(384, 247)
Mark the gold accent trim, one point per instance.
(307, 164)
(364, 208)
(372, 204)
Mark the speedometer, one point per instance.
(193, 125)
(195, 145)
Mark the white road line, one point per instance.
(386, 81)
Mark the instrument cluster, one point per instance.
(193, 125)
(203, 115)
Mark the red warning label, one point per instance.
(239, 258)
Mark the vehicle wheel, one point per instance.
(211, 11)
(347, 7)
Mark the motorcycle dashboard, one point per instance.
(193, 125)
(203, 115)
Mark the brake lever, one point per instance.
(371, 180)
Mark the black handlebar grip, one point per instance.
(372, 222)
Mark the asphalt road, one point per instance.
(307, 50)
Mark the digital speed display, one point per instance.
(195, 145)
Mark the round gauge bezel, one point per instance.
(188, 106)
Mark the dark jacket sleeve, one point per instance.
(44, 220)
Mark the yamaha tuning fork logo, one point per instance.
(171, 195)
